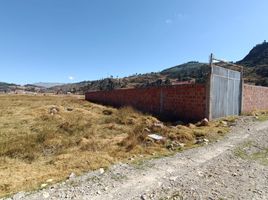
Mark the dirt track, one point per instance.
(222, 170)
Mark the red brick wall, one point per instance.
(254, 98)
(177, 102)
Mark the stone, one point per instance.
(202, 141)
(191, 125)
(156, 137)
(159, 125)
(175, 145)
(69, 109)
(101, 171)
(49, 181)
(54, 110)
(143, 197)
(19, 195)
(224, 123)
(173, 178)
(204, 122)
(46, 195)
(234, 174)
(181, 145)
(99, 192)
(72, 176)
(44, 185)
(107, 112)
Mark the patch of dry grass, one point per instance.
(48, 137)
(261, 115)
(248, 151)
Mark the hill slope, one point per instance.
(258, 56)
(11, 87)
(6, 87)
(47, 85)
(256, 65)
(185, 72)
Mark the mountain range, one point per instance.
(255, 72)
(47, 85)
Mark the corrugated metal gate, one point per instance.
(225, 92)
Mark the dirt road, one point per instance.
(232, 168)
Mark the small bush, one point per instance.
(41, 138)
(135, 137)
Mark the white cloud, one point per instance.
(71, 78)
(169, 21)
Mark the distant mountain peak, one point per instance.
(256, 65)
(257, 56)
(47, 84)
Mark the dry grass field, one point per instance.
(49, 137)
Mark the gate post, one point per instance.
(242, 91)
(209, 88)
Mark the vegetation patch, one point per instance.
(49, 137)
(260, 115)
(249, 151)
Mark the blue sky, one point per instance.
(76, 40)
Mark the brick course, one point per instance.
(176, 102)
(254, 98)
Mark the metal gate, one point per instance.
(225, 90)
